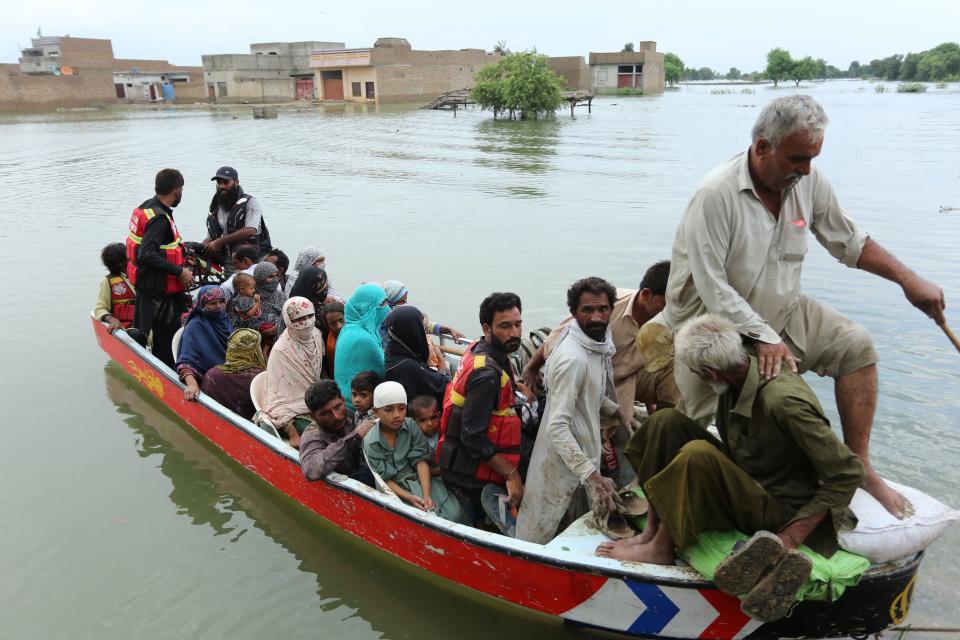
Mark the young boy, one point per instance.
(115, 300)
(361, 394)
(398, 452)
(426, 414)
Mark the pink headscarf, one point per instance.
(294, 362)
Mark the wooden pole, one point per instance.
(953, 338)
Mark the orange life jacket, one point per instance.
(503, 431)
(173, 251)
(122, 300)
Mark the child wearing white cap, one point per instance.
(397, 450)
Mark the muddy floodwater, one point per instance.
(119, 522)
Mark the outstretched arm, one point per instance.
(920, 292)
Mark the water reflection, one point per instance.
(524, 147)
(352, 579)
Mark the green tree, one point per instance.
(821, 69)
(854, 70)
(803, 69)
(501, 47)
(672, 68)
(734, 74)
(627, 48)
(706, 73)
(522, 84)
(779, 65)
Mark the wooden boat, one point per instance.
(557, 579)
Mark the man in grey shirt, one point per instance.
(235, 219)
(739, 252)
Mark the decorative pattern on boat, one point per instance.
(647, 609)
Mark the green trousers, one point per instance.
(693, 486)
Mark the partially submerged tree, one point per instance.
(804, 69)
(522, 84)
(672, 68)
(779, 65)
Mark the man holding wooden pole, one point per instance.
(739, 252)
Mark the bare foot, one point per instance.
(650, 553)
(891, 500)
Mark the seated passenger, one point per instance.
(426, 413)
(279, 258)
(229, 383)
(778, 467)
(397, 294)
(398, 453)
(267, 280)
(310, 257)
(332, 314)
(244, 261)
(406, 355)
(332, 442)
(312, 284)
(361, 394)
(295, 364)
(116, 298)
(203, 343)
(481, 437)
(359, 347)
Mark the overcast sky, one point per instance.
(706, 33)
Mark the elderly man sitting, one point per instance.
(777, 468)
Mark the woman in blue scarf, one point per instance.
(358, 346)
(203, 344)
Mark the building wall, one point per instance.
(574, 71)
(603, 68)
(257, 77)
(405, 75)
(92, 87)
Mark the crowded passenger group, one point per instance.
(526, 441)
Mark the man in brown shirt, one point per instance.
(332, 443)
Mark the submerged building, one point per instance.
(640, 71)
(392, 71)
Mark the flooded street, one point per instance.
(120, 522)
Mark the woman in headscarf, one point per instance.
(407, 353)
(229, 383)
(313, 285)
(267, 277)
(294, 365)
(359, 347)
(309, 257)
(203, 343)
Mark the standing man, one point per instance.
(480, 429)
(235, 219)
(157, 264)
(579, 381)
(739, 252)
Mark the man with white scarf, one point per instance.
(579, 381)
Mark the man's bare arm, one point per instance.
(920, 292)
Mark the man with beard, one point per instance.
(777, 469)
(158, 263)
(580, 389)
(235, 219)
(480, 430)
(739, 252)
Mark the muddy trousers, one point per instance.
(693, 486)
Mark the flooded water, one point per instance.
(119, 522)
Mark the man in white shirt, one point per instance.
(739, 252)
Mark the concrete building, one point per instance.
(392, 71)
(62, 71)
(641, 70)
(575, 72)
(271, 72)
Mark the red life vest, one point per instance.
(121, 300)
(173, 251)
(504, 429)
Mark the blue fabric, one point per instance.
(203, 344)
(359, 347)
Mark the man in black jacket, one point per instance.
(235, 219)
(163, 276)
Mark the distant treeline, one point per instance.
(940, 64)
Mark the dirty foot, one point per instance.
(891, 500)
(642, 538)
(648, 552)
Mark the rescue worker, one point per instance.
(480, 430)
(157, 265)
(235, 219)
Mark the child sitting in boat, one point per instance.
(397, 450)
(247, 312)
(116, 298)
(361, 394)
(426, 413)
